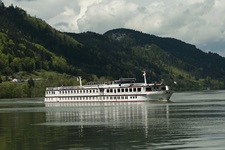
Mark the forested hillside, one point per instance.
(29, 45)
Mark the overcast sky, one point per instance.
(198, 22)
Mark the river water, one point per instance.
(193, 120)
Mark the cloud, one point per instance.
(199, 22)
(106, 15)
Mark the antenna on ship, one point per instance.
(79, 78)
(144, 75)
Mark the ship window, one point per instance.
(148, 89)
(135, 89)
(130, 89)
(156, 87)
(118, 90)
(139, 89)
(122, 90)
(114, 90)
(126, 90)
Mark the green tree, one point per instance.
(31, 83)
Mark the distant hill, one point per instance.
(30, 44)
(207, 64)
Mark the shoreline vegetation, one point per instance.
(33, 85)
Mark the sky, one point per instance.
(198, 22)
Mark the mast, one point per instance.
(79, 78)
(144, 75)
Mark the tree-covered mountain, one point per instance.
(126, 52)
(29, 44)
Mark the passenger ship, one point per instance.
(122, 90)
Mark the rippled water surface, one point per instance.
(193, 120)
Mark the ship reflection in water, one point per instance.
(129, 115)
